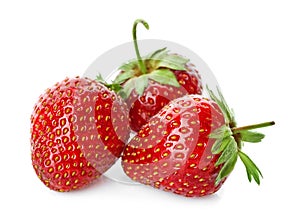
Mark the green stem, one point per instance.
(236, 130)
(141, 63)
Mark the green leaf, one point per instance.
(215, 149)
(228, 114)
(129, 65)
(122, 77)
(227, 110)
(227, 168)
(220, 145)
(252, 137)
(115, 87)
(251, 169)
(99, 78)
(158, 54)
(220, 132)
(141, 83)
(127, 88)
(162, 59)
(153, 58)
(229, 150)
(172, 62)
(164, 76)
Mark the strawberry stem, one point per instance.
(236, 130)
(140, 61)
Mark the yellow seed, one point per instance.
(65, 131)
(179, 155)
(192, 155)
(177, 165)
(165, 154)
(48, 162)
(179, 147)
(156, 150)
(192, 165)
(58, 132)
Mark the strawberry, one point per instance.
(78, 130)
(151, 82)
(190, 147)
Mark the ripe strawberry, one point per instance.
(78, 130)
(151, 82)
(189, 147)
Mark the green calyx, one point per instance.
(156, 66)
(229, 140)
(115, 87)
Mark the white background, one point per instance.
(252, 47)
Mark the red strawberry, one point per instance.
(151, 82)
(189, 147)
(78, 130)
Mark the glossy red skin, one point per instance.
(156, 96)
(78, 130)
(173, 152)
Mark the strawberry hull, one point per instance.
(172, 151)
